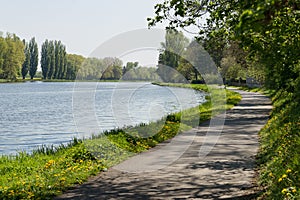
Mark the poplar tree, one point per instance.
(51, 57)
(26, 64)
(44, 59)
(34, 57)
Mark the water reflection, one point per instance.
(32, 114)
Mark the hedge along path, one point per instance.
(227, 172)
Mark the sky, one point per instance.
(82, 25)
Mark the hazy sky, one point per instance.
(82, 25)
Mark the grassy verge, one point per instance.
(279, 156)
(48, 171)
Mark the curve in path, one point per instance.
(227, 172)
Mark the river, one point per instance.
(50, 113)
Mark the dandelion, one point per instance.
(284, 176)
(294, 190)
(279, 180)
(271, 174)
(288, 170)
(284, 191)
(49, 163)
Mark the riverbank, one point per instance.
(279, 157)
(213, 166)
(50, 170)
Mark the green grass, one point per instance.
(279, 156)
(50, 170)
(201, 87)
(45, 173)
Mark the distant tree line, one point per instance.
(111, 69)
(132, 71)
(21, 58)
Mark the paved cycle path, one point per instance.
(226, 172)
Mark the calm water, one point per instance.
(32, 114)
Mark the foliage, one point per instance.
(11, 57)
(74, 62)
(53, 60)
(234, 65)
(141, 74)
(230, 69)
(181, 62)
(170, 55)
(34, 57)
(172, 48)
(96, 69)
(129, 66)
(267, 30)
(80, 68)
(26, 64)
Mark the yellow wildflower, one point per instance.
(280, 179)
(271, 174)
(294, 190)
(284, 191)
(288, 170)
(284, 176)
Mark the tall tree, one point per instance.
(74, 62)
(45, 65)
(34, 57)
(12, 57)
(170, 54)
(3, 49)
(172, 48)
(26, 64)
(57, 45)
(62, 62)
(51, 57)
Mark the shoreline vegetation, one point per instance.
(48, 171)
